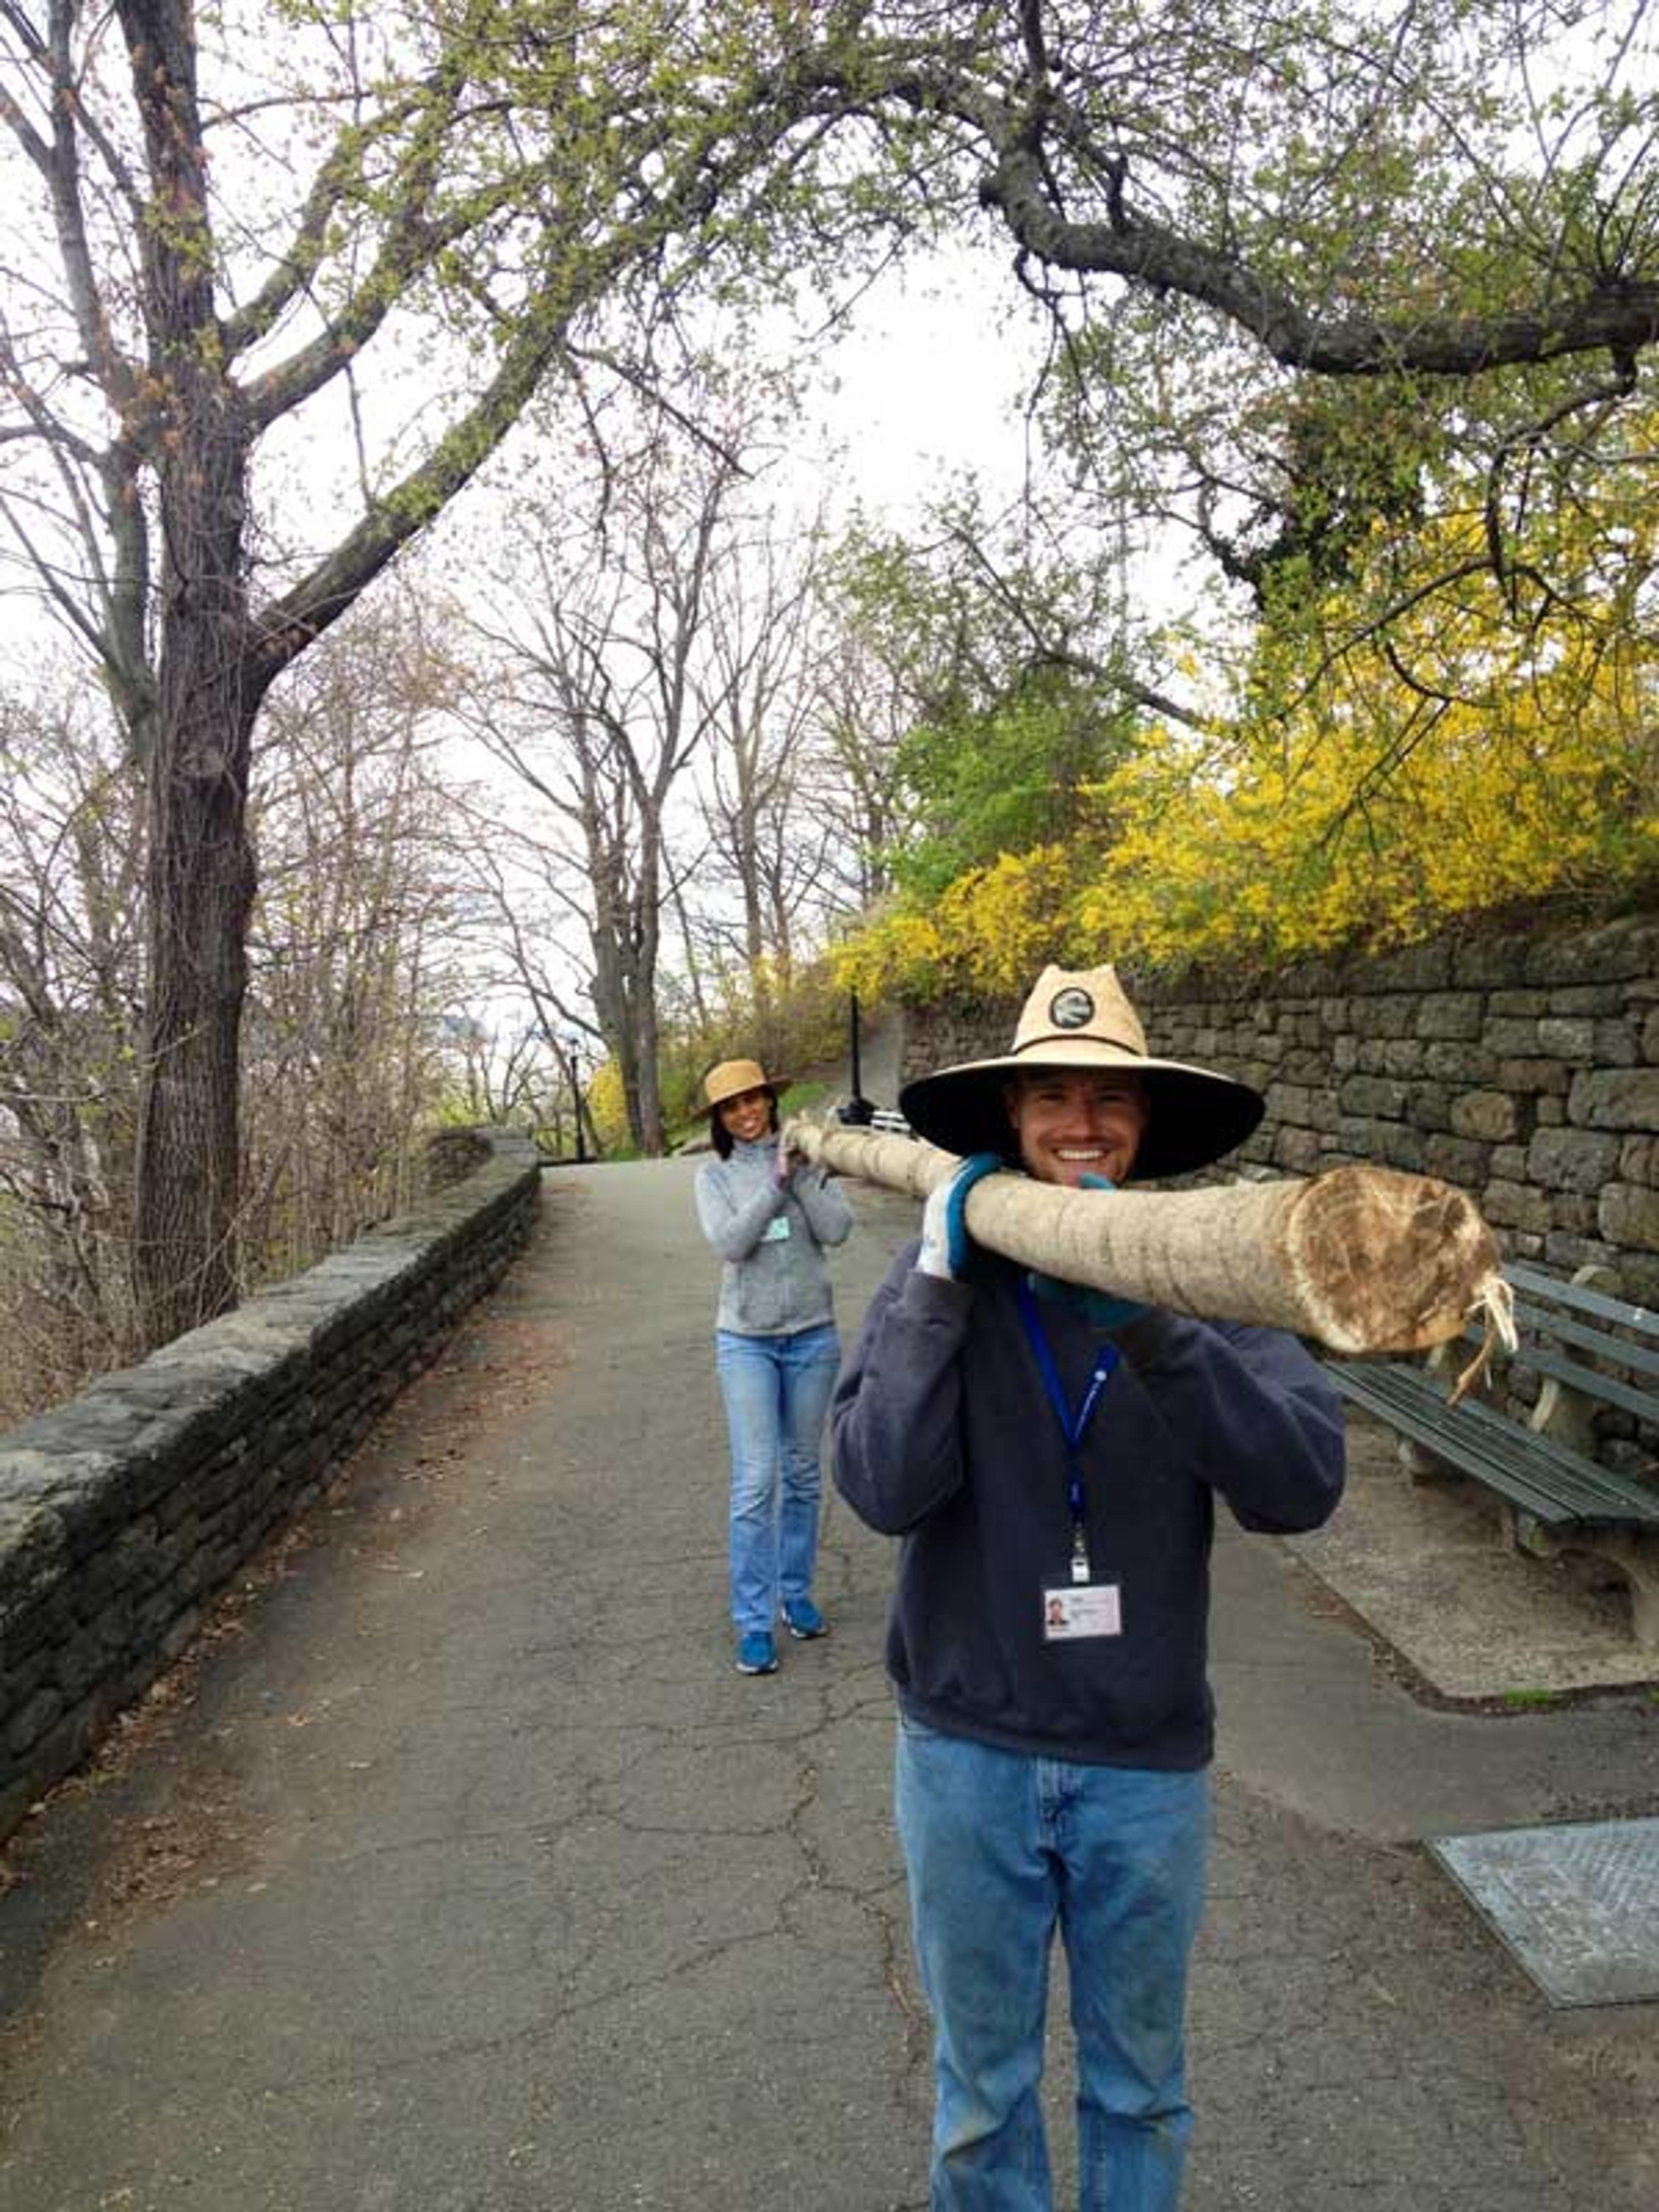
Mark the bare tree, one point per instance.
(860, 713)
(775, 852)
(355, 962)
(70, 864)
(495, 172)
(525, 909)
(601, 705)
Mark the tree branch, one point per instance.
(1618, 315)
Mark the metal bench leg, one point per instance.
(1565, 1415)
(1630, 1556)
(1422, 1466)
(1638, 1556)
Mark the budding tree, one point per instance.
(226, 242)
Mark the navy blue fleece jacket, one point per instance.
(943, 1435)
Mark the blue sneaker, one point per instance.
(756, 1653)
(804, 1619)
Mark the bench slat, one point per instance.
(1537, 1322)
(1612, 1389)
(1581, 1298)
(1527, 1480)
(1568, 1473)
(1556, 1486)
(1532, 1320)
(1640, 1358)
(1636, 1397)
(1463, 1451)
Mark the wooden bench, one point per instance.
(1555, 1496)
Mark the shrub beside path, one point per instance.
(459, 1871)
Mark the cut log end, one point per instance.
(1385, 1262)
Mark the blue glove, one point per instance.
(1098, 1308)
(945, 1243)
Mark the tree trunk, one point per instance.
(653, 1139)
(646, 937)
(201, 887)
(1362, 1259)
(200, 865)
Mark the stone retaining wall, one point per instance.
(1524, 1068)
(124, 1512)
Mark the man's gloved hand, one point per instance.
(1098, 1308)
(945, 1243)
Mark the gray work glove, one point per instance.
(945, 1243)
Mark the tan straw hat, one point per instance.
(1080, 1018)
(732, 1077)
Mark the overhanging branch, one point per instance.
(1617, 316)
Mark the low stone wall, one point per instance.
(1523, 1068)
(124, 1512)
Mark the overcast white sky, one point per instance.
(929, 385)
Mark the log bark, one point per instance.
(1361, 1258)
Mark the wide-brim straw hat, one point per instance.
(732, 1077)
(1080, 1018)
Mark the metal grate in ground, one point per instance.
(1578, 1906)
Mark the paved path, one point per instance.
(462, 1873)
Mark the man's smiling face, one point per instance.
(1071, 1123)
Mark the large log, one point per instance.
(1360, 1259)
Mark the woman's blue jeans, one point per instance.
(1003, 1848)
(777, 1392)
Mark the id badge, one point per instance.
(776, 1230)
(1071, 1614)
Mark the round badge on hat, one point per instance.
(1072, 1008)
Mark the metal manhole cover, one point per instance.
(1578, 1906)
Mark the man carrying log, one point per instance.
(1051, 1455)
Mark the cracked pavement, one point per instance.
(456, 1870)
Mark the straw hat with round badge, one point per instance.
(732, 1077)
(1079, 1019)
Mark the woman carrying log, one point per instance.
(1052, 1457)
(769, 1214)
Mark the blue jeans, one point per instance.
(1002, 1848)
(777, 1391)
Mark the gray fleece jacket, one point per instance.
(770, 1236)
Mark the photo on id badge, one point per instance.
(1090, 1610)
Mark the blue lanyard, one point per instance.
(1072, 1426)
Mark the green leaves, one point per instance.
(1011, 777)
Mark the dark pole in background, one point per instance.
(574, 1076)
(858, 1111)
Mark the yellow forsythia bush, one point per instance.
(985, 935)
(607, 1104)
(1465, 762)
